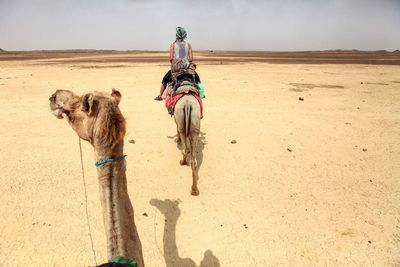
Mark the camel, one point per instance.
(187, 119)
(96, 118)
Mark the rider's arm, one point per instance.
(171, 53)
(190, 53)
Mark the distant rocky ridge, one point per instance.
(2, 51)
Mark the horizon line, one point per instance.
(205, 50)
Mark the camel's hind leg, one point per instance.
(180, 128)
(185, 150)
(178, 136)
(193, 147)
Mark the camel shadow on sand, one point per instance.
(171, 211)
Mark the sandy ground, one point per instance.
(308, 183)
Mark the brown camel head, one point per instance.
(94, 116)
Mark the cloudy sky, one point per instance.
(274, 25)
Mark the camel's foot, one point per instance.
(195, 191)
(183, 162)
(179, 141)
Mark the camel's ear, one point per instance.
(117, 95)
(88, 104)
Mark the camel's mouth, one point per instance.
(57, 113)
(62, 102)
(55, 109)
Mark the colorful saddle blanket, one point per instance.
(171, 97)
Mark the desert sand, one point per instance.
(312, 179)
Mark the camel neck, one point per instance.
(105, 152)
(169, 240)
(118, 214)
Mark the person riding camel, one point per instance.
(180, 50)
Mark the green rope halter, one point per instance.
(123, 260)
(104, 161)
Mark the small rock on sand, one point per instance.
(364, 149)
(233, 142)
(132, 141)
(145, 214)
(301, 99)
(289, 149)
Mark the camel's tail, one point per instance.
(188, 111)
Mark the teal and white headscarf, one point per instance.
(180, 33)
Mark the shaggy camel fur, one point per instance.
(96, 118)
(187, 119)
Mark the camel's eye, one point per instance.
(52, 98)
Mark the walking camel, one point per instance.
(96, 118)
(187, 115)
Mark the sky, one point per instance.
(253, 25)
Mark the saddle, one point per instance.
(174, 95)
(182, 86)
(183, 82)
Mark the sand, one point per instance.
(312, 182)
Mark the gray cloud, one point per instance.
(218, 25)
